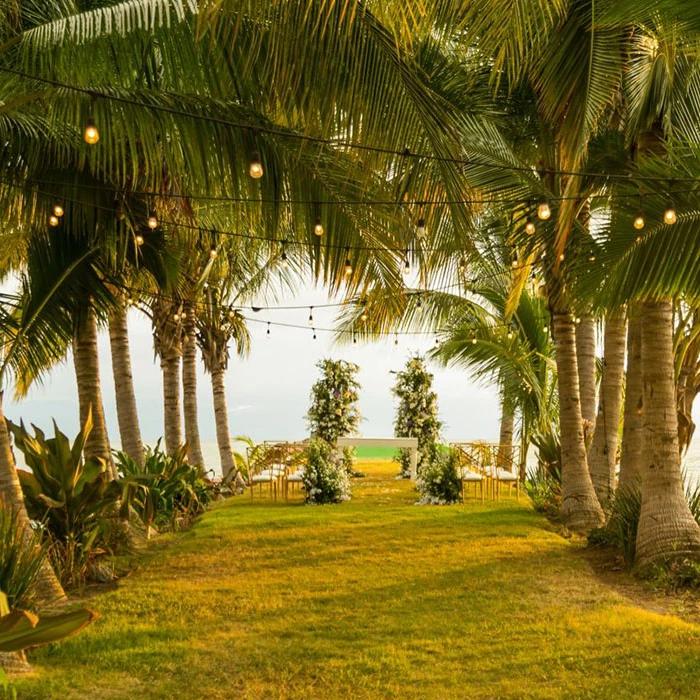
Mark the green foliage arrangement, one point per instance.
(167, 492)
(439, 482)
(544, 489)
(334, 412)
(21, 560)
(416, 415)
(325, 478)
(71, 497)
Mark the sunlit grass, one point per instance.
(377, 598)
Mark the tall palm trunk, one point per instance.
(585, 358)
(631, 456)
(223, 437)
(602, 456)
(580, 507)
(189, 389)
(87, 372)
(667, 528)
(48, 586)
(505, 441)
(127, 413)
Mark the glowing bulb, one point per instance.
(670, 216)
(176, 317)
(318, 227)
(348, 267)
(420, 228)
(639, 222)
(213, 253)
(510, 335)
(514, 264)
(91, 134)
(311, 316)
(58, 210)
(406, 267)
(152, 220)
(473, 340)
(577, 319)
(545, 328)
(139, 239)
(561, 257)
(530, 226)
(591, 257)
(53, 220)
(284, 260)
(543, 210)
(256, 169)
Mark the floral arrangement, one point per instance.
(416, 415)
(325, 479)
(334, 411)
(439, 481)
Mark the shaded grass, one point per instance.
(376, 598)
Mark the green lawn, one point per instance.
(377, 598)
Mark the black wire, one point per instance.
(407, 153)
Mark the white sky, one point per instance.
(268, 393)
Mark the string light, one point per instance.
(283, 256)
(213, 253)
(354, 338)
(530, 226)
(474, 341)
(311, 315)
(591, 256)
(348, 264)
(53, 220)
(543, 210)
(58, 210)
(256, 169)
(318, 226)
(138, 238)
(670, 215)
(406, 265)
(514, 262)
(268, 329)
(314, 330)
(396, 339)
(545, 328)
(91, 134)
(152, 220)
(510, 335)
(420, 228)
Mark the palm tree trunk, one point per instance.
(580, 507)
(223, 437)
(585, 357)
(631, 457)
(189, 390)
(48, 586)
(667, 528)
(505, 441)
(127, 413)
(87, 372)
(172, 423)
(602, 456)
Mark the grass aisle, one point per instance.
(376, 598)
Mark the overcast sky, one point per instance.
(268, 393)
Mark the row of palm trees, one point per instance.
(464, 119)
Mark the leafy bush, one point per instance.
(544, 489)
(439, 482)
(416, 414)
(72, 498)
(677, 575)
(20, 560)
(325, 477)
(166, 492)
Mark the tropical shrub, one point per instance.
(325, 477)
(439, 481)
(20, 560)
(72, 498)
(416, 414)
(543, 487)
(334, 411)
(167, 492)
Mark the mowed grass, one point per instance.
(377, 598)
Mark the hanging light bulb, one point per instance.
(91, 134)
(545, 328)
(354, 339)
(529, 226)
(474, 341)
(514, 262)
(591, 256)
(510, 335)
(284, 260)
(639, 222)
(561, 257)
(138, 238)
(437, 342)
(543, 210)
(396, 339)
(213, 253)
(231, 314)
(670, 215)
(406, 265)
(58, 210)
(462, 266)
(314, 330)
(53, 220)
(420, 228)
(268, 329)
(363, 318)
(348, 264)
(152, 220)
(176, 317)
(318, 226)
(311, 315)
(256, 169)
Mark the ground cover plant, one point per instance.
(374, 598)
